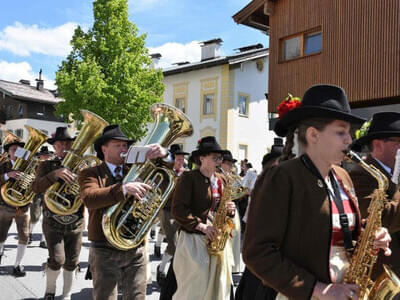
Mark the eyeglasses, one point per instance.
(216, 158)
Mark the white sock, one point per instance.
(67, 287)
(51, 279)
(160, 238)
(20, 254)
(43, 238)
(165, 259)
(31, 225)
(1, 248)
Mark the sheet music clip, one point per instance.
(136, 154)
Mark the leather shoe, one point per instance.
(19, 271)
(43, 245)
(157, 251)
(160, 277)
(152, 234)
(49, 296)
(1, 255)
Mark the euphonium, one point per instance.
(222, 222)
(19, 192)
(8, 138)
(63, 198)
(364, 256)
(126, 223)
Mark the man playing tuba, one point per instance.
(101, 187)
(63, 233)
(8, 213)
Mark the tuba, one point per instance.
(63, 198)
(126, 223)
(364, 256)
(19, 192)
(8, 138)
(238, 191)
(222, 222)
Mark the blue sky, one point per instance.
(36, 34)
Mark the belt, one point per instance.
(106, 245)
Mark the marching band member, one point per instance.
(8, 213)
(169, 225)
(36, 206)
(382, 140)
(200, 275)
(63, 233)
(294, 241)
(101, 187)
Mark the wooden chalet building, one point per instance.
(354, 44)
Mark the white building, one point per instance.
(224, 97)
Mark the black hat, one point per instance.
(19, 143)
(276, 151)
(61, 134)
(227, 156)
(382, 125)
(207, 145)
(325, 101)
(44, 151)
(111, 132)
(176, 149)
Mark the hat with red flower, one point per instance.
(319, 101)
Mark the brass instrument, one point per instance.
(63, 198)
(364, 256)
(238, 191)
(19, 192)
(222, 222)
(126, 224)
(8, 138)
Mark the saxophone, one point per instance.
(222, 222)
(364, 256)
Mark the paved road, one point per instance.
(32, 286)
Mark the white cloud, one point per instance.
(176, 52)
(23, 39)
(14, 72)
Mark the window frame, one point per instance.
(209, 86)
(247, 96)
(181, 92)
(302, 36)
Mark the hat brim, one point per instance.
(205, 152)
(51, 141)
(231, 160)
(102, 140)
(292, 117)
(19, 144)
(364, 140)
(180, 153)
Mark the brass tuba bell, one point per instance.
(19, 192)
(126, 223)
(63, 198)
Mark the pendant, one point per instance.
(320, 184)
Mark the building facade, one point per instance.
(224, 97)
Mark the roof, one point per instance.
(254, 15)
(28, 92)
(231, 59)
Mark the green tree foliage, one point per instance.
(109, 71)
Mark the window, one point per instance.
(20, 109)
(301, 45)
(180, 103)
(208, 104)
(19, 133)
(243, 105)
(242, 152)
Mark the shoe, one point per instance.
(43, 245)
(152, 234)
(49, 296)
(157, 251)
(19, 271)
(30, 239)
(1, 255)
(160, 277)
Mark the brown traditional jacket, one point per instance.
(289, 227)
(364, 185)
(192, 200)
(98, 192)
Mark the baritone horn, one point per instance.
(126, 223)
(63, 198)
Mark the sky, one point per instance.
(36, 34)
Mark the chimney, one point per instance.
(155, 58)
(248, 48)
(39, 82)
(25, 81)
(210, 49)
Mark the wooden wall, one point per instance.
(360, 49)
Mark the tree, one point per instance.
(109, 71)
